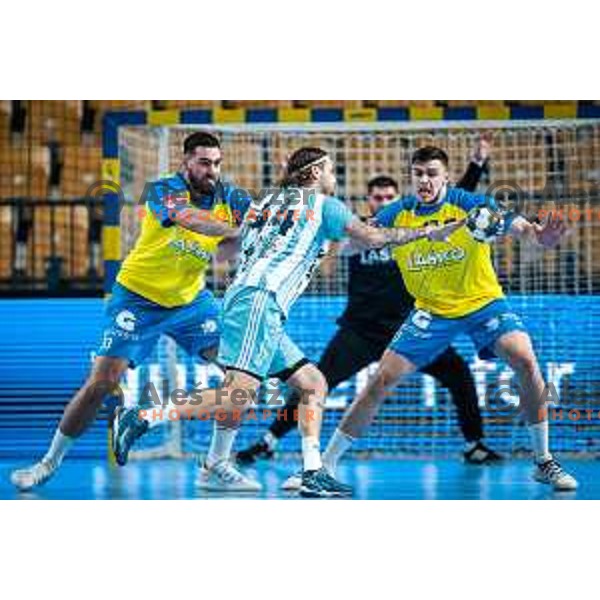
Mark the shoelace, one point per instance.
(324, 479)
(552, 469)
(131, 429)
(227, 472)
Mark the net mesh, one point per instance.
(547, 165)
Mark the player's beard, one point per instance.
(203, 187)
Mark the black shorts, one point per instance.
(349, 352)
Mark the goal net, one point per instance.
(537, 166)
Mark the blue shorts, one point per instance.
(424, 336)
(254, 339)
(133, 325)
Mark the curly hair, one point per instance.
(297, 169)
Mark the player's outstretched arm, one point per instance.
(479, 157)
(547, 235)
(376, 237)
(202, 221)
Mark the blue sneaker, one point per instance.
(320, 484)
(127, 427)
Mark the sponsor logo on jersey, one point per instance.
(209, 326)
(190, 248)
(126, 320)
(435, 258)
(375, 257)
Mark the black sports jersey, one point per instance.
(378, 301)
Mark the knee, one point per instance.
(108, 373)
(392, 368)
(238, 392)
(319, 383)
(384, 377)
(312, 386)
(308, 378)
(105, 377)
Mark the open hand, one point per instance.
(481, 151)
(551, 232)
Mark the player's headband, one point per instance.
(315, 163)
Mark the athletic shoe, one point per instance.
(552, 473)
(320, 484)
(127, 427)
(224, 477)
(293, 483)
(257, 451)
(480, 454)
(38, 474)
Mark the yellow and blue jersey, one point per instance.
(450, 279)
(168, 263)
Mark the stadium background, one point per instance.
(63, 236)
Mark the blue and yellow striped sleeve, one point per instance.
(386, 217)
(164, 198)
(239, 201)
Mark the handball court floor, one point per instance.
(382, 479)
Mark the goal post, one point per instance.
(549, 164)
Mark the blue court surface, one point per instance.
(382, 479)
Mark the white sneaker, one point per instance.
(38, 474)
(552, 473)
(293, 483)
(224, 477)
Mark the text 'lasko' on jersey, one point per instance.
(453, 278)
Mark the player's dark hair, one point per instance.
(200, 139)
(382, 181)
(427, 153)
(297, 171)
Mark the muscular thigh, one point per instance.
(131, 327)
(423, 337)
(253, 327)
(197, 326)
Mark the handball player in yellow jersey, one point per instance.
(456, 291)
(160, 289)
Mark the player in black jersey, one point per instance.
(378, 303)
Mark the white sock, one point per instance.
(338, 444)
(311, 453)
(538, 433)
(270, 440)
(58, 448)
(221, 444)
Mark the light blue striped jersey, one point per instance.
(285, 235)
